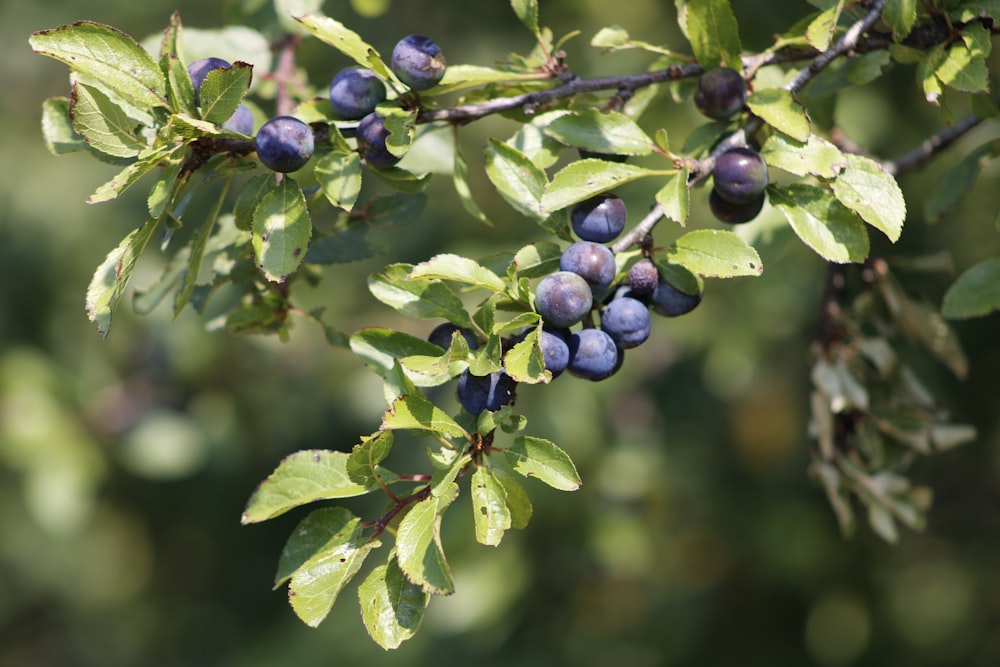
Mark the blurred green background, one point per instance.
(696, 539)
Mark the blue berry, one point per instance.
(199, 69)
(669, 301)
(485, 392)
(418, 62)
(241, 121)
(643, 277)
(371, 136)
(442, 333)
(355, 92)
(627, 321)
(591, 261)
(734, 214)
(284, 144)
(599, 219)
(563, 299)
(593, 355)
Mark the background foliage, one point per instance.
(125, 463)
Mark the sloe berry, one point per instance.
(418, 62)
(563, 298)
(284, 144)
(593, 262)
(599, 219)
(371, 136)
(355, 92)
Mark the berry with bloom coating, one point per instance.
(593, 354)
(284, 144)
(563, 298)
(485, 392)
(241, 121)
(591, 261)
(418, 62)
(371, 142)
(555, 351)
(599, 219)
(669, 301)
(355, 92)
(627, 321)
(721, 93)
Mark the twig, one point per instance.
(932, 146)
(639, 232)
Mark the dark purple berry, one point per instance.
(441, 335)
(555, 351)
(199, 69)
(643, 277)
(599, 219)
(627, 321)
(355, 92)
(734, 214)
(485, 392)
(593, 355)
(241, 121)
(371, 137)
(669, 301)
(418, 62)
(284, 144)
(591, 261)
(740, 175)
(721, 93)
(563, 298)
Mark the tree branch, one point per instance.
(932, 146)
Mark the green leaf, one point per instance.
(401, 180)
(964, 71)
(339, 174)
(459, 269)
(525, 362)
(334, 549)
(57, 128)
(488, 358)
(713, 33)
(197, 245)
(584, 179)
(543, 460)
(460, 177)
(110, 56)
(417, 298)
(834, 231)
(715, 253)
(516, 178)
(821, 30)
(518, 502)
(535, 260)
(871, 192)
(900, 15)
(251, 194)
(130, 175)
(362, 464)
(418, 546)
(281, 230)
(778, 108)
(347, 42)
(401, 124)
(527, 13)
(345, 245)
(180, 90)
(305, 477)
(601, 132)
(223, 91)
(459, 77)
(103, 124)
(112, 276)
(817, 156)
(976, 293)
(675, 197)
(489, 507)
(414, 411)
(380, 348)
(392, 607)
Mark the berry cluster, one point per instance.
(285, 143)
(584, 286)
